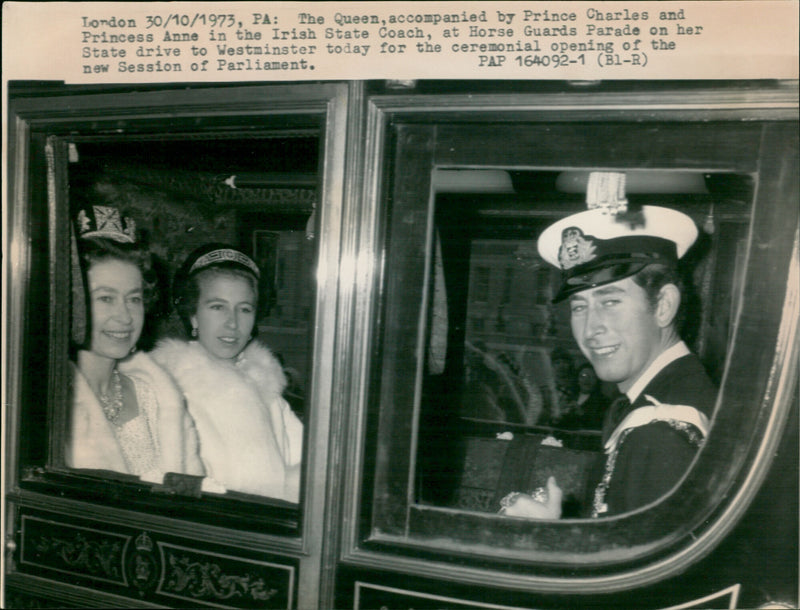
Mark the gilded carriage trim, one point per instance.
(208, 580)
(72, 549)
(211, 578)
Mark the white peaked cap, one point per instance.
(584, 243)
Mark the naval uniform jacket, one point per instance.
(651, 442)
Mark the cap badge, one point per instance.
(576, 248)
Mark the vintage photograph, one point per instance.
(401, 343)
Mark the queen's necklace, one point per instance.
(112, 402)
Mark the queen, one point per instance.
(127, 414)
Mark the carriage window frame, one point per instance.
(47, 126)
(414, 137)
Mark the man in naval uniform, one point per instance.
(619, 274)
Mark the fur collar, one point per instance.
(186, 360)
(250, 441)
(93, 443)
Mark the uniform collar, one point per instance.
(664, 358)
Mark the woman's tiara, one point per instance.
(224, 255)
(106, 221)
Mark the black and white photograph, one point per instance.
(384, 305)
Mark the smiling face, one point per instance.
(617, 329)
(115, 291)
(225, 314)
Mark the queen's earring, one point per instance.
(194, 332)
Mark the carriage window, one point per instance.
(229, 324)
(520, 400)
(481, 394)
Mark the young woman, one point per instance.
(250, 440)
(127, 416)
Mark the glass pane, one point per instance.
(232, 331)
(519, 400)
